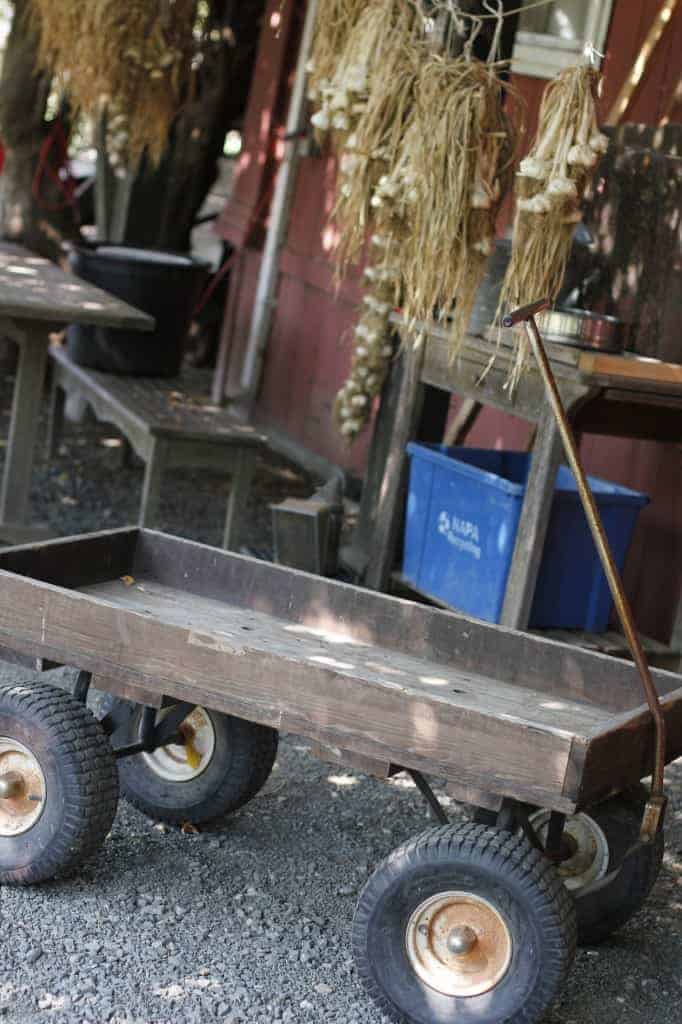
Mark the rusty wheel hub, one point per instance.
(459, 944)
(186, 761)
(585, 849)
(22, 788)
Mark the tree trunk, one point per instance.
(23, 129)
(165, 200)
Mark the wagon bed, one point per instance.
(400, 684)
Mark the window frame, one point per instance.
(541, 55)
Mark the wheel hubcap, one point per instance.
(184, 762)
(585, 847)
(22, 788)
(459, 944)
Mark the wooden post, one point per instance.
(28, 393)
(535, 514)
(151, 487)
(391, 489)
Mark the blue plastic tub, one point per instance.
(463, 513)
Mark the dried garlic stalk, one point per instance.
(134, 60)
(334, 22)
(551, 183)
(461, 156)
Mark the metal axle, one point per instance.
(655, 809)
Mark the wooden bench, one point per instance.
(37, 297)
(168, 423)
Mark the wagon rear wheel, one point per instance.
(58, 783)
(597, 842)
(464, 923)
(221, 764)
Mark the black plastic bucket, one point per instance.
(166, 285)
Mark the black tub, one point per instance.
(164, 284)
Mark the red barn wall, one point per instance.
(309, 349)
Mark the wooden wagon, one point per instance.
(207, 655)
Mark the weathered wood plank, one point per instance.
(624, 752)
(397, 723)
(385, 679)
(631, 368)
(82, 559)
(251, 630)
(366, 617)
(375, 618)
(175, 407)
(33, 288)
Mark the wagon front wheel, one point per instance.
(464, 923)
(58, 783)
(222, 763)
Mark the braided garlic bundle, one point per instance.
(135, 61)
(551, 183)
(462, 149)
(369, 152)
(334, 22)
(372, 353)
(341, 99)
(373, 348)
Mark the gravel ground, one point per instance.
(253, 924)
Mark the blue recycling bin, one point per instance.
(463, 512)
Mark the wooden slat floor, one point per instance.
(243, 629)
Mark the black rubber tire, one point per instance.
(241, 764)
(498, 866)
(81, 782)
(602, 912)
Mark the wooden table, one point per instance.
(37, 297)
(623, 396)
(168, 422)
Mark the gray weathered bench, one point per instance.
(168, 423)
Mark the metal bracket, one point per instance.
(428, 794)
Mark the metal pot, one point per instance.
(582, 329)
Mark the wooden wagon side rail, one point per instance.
(386, 679)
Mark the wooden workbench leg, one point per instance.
(151, 488)
(55, 418)
(535, 513)
(391, 490)
(244, 465)
(28, 394)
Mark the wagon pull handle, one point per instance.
(654, 812)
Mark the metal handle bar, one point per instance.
(655, 809)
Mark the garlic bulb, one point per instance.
(536, 204)
(320, 119)
(531, 167)
(599, 142)
(562, 187)
(582, 156)
(480, 200)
